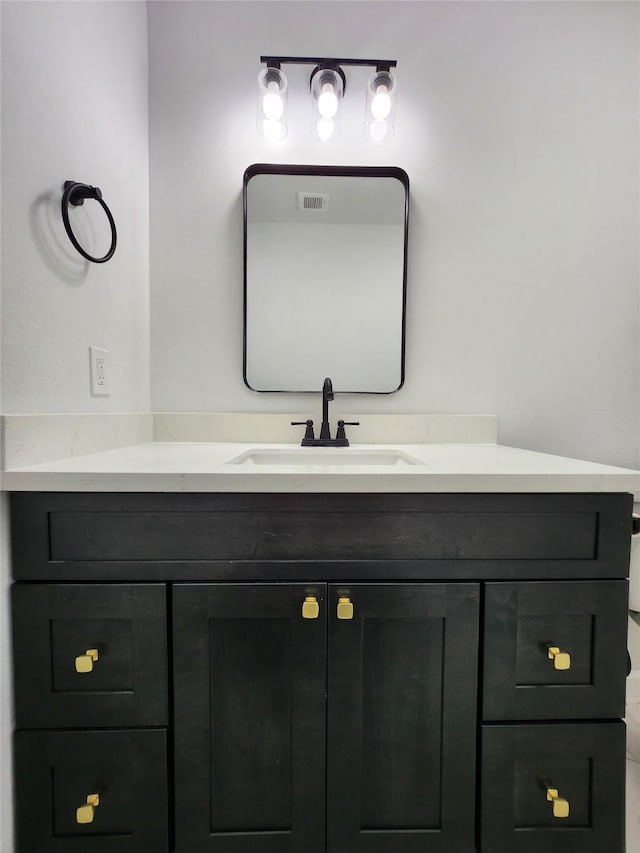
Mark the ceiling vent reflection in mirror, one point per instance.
(327, 85)
(313, 201)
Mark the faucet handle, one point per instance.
(308, 433)
(341, 434)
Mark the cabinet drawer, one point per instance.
(57, 771)
(583, 763)
(585, 679)
(300, 537)
(58, 684)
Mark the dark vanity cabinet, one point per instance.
(354, 673)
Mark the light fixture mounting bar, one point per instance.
(277, 61)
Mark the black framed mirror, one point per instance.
(325, 275)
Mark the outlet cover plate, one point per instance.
(99, 371)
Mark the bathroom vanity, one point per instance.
(350, 671)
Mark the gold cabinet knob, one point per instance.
(560, 805)
(84, 663)
(561, 660)
(310, 607)
(85, 812)
(345, 608)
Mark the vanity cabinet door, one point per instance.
(402, 695)
(249, 692)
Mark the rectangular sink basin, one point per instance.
(325, 456)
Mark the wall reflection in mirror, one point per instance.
(325, 277)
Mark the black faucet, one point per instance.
(327, 395)
(325, 439)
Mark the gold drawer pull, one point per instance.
(84, 813)
(310, 607)
(84, 663)
(560, 806)
(345, 608)
(561, 660)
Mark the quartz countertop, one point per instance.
(191, 466)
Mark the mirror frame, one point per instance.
(332, 171)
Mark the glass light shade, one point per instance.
(327, 89)
(271, 116)
(380, 111)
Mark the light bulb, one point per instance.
(328, 102)
(272, 103)
(381, 103)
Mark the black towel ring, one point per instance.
(75, 194)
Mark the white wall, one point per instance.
(518, 126)
(74, 107)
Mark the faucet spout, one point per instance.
(327, 395)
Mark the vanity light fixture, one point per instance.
(327, 83)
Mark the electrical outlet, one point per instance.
(99, 371)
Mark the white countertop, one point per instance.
(176, 466)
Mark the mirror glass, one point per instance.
(325, 277)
